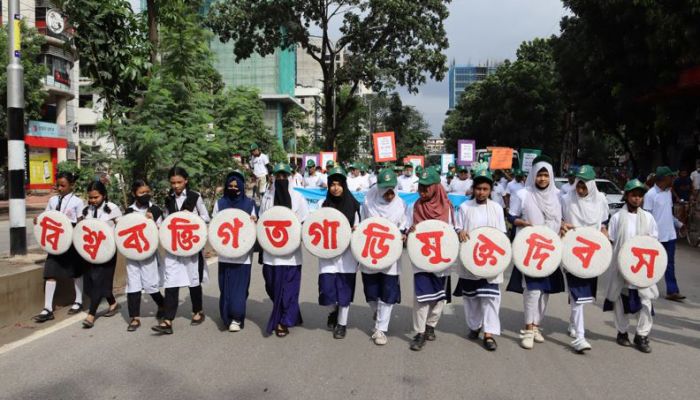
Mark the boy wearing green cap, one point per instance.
(407, 182)
(461, 184)
(356, 181)
(621, 297)
(313, 179)
(659, 202)
(569, 185)
(258, 164)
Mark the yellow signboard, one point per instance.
(40, 166)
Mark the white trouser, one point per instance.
(383, 311)
(343, 313)
(576, 318)
(535, 304)
(427, 313)
(644, 322)
(483, 312)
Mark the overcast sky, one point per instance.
(481, 30)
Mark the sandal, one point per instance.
(281, 331)
(490, 343)
(164, 328)
(133, 325)
(88, 324)
(73, 310)
(199, 321)
(113, 311)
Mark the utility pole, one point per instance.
(15, 133)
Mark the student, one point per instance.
(68, 264)
(356, 181)
(296, 180)
(482, 297)
(461, 184)
(499, 189)
(182, 271)
(568, 187)
(313, 179)
(143, 275)
(283, 273)
(234, 273)
(537, 204)
(336, 279)
(621, 297)
(659, 203)
(330, 164)
(382, 289)
(429, 288)
(258, 163)
(100, 277)
(513, 186)
(407, 182)
(584, 206)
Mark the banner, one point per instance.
(384, 146)
(501, 158)
(445, 160)
(466, 152)
(526, 158)
(415, 160)
(315, 197)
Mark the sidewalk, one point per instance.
(36, 203)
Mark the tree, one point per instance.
(384, 42)
(410, 129)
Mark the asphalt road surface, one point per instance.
(206, 362)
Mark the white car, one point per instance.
(612, 193)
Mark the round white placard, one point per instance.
(279, 231)
(433, 246)
(537, 251)
(487, 253)
(232, 233)
(94, 241)
(642, 261)
(183, 234)
(54, 232)
(326, 233)
(376, 243)
(136, 236)
(586, 252)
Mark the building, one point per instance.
(460, 77)
(53, 137)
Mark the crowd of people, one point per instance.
(507, 201)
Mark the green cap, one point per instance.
(543, 157)
(571, 172)
(429, 177)
(337, 171)
(518, 172)
(254, 146)
(330, 164)
(451, 165)
(398, 168)
(419, 169)
(450, 175)
(310, 163)
(386, 178)
(664, 171)
(355, 166)
(483, 175)
(586, 173)
(282, 167)
(462, 168)
(635, 184)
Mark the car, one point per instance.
(611, 191)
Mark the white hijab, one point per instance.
(591, 210)
(542, 206)
(376, 206)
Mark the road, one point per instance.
(206, 362)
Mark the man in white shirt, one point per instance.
(659, 202)
(513, 186)
(695, 177)
(569, 185)
(313, 179)
(461, 184)
(407, 182)
(356, 181)
(296, 179)
(258, 163)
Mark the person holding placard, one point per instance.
(430, 289)
(234, 273)
(583, 206)
(621, 297)
(461, 184)
(283, 273)
(482, 297)
(143, 275)
(337, 275)
(538, 203)
(183, 271)
(407, 182)
(382, 289)
(100, 277)
(68, 264)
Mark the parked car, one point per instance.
(611, 191)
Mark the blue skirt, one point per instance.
(282, 284)
(336, 288)
(553, 283)
(631, 303)
(429, 287)
(582, 290)
(234, 281)
(476, 288)
(382, 287)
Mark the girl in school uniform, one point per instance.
(234, 273)
(336, 279)
(143, 275)
(382, 289)
(68, 264)
(583, 206)
(431, 290)
(100, 277)
(283, 273)
(482, 297)
(621, 297)
(182, 271)
(538, 203)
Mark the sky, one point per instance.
(481, 30)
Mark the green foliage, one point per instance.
(390, 42)
(34, 74)
(408, 125)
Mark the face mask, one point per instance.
(143, 200)
(232, 192)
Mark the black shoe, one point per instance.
(75, 310)
(133, 325)
(430, 333)
(339, 331)
(164, 329)
(332, 320)
(490, 344)
(642, 343)
(623, 339)
(473, 335)
(418, 342)
(199, 321)
(43, 317)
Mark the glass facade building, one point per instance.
(461, 77)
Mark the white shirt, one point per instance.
(199, 209)
(565, 189)
(296, 180)
(695, 177)
(71, 205)
(407, 183)
(372, 179)
(301, 209)
(246, 259)
(660, 204)
(358, 183)
(614, 223)
(102, 215)
(497, 194)
(258, 164)
(313, 181)
(513, 187)
(461, 186)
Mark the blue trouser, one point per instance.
(670, 275)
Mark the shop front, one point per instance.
(43, 141)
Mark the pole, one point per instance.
(15, 134)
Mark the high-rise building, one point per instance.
(460, 77)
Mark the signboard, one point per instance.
(466, 152)
(384, 146)
(46, 129)
(40, 166)
(501, 158)
(526, 158)
(414, 160)
(445, 160)
(325, 157)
